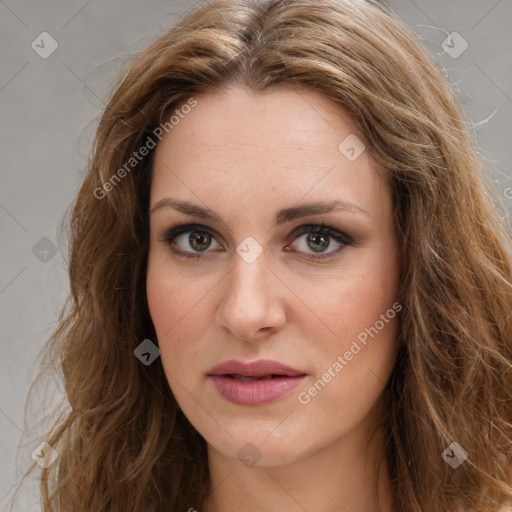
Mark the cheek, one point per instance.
(355, 302)
(165, 308)
(178, 315)
(162, 301)
(362, 312)
(354, 366)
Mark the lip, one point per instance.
(258, 368)
(256, 392)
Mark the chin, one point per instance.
(255, 448)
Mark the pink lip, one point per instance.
(255, 392)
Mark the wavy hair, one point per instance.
(123, 442)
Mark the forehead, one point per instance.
(279, 146)
(303, 118)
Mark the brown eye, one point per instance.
(317, 242)
(319, 238)
(199, 239)
(194, 240)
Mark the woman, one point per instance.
(285, 205)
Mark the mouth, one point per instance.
(254, 383)
(260, 369)
(246, 378)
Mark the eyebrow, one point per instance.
(282, 216)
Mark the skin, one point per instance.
(245, 156)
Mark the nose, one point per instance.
(251, 308)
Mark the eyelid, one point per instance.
(320, 228)
(179, 229)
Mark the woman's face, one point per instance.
(253, 282)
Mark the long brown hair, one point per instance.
(123, 442)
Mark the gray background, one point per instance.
(49, 108)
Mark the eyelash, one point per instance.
(322, 229)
